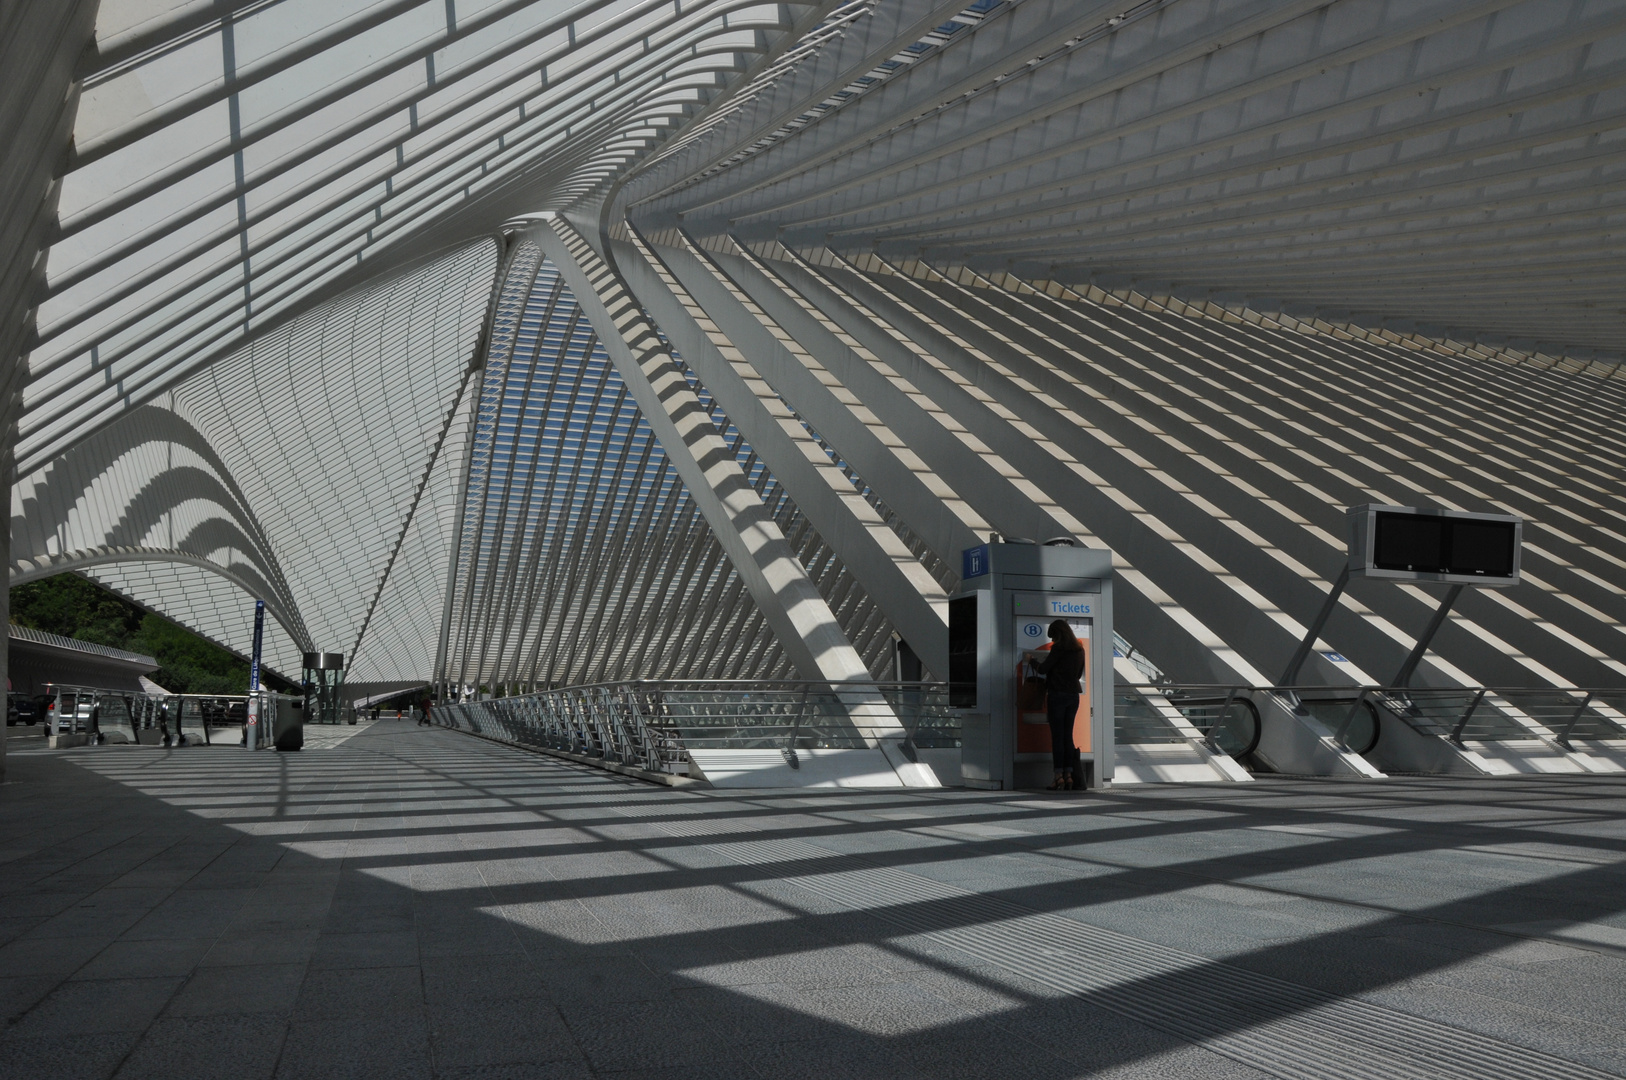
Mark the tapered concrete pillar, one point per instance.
(801, 619)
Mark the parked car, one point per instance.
(68, 709)
(22, 709)
(42, 706)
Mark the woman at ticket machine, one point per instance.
(1062, 667)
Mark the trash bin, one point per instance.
(288, 726)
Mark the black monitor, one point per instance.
(1435, 545)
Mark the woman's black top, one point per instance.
(1063, 667)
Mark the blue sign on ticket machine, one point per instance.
(1011, 594)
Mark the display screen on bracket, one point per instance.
(1440, 545)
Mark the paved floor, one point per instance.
(413, 902)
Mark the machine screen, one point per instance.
(963, 653)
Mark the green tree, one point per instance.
(187, 661)
(76, 607)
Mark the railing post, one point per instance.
(1456, 732)
(636, 742)
(646, 736)
(618, 726)
(609, 726)
(601, 736)
(1575, 718)
(796, 719)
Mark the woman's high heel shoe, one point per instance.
(1056, 784)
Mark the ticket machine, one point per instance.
(1011, 594)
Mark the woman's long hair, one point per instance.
(1062, 636)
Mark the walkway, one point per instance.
(414, 902)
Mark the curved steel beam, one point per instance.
(22, 571)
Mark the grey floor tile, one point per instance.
(398, 948)
(39, 902)
(49, 956)
(379, 1049)
(261, 947)
(552, 1070)
(207, 1048)
(646, 1035)
(13, 928)
(99, 1005)
(300, 918)
(64, 1057)
(172, 920)
(887, 1010)
(254, 988)
(145, 958)
(980, 1052)
(1180, 1063)
(1084, 1034)
(455, 980)
(609, 977)
(833, 1056)
(20, 993)
(500, 1033)
(1611, 1059)
(681, 964)
(85, 920)
(359, 994)
(489, 937)
(742, 1013)
(557, 927)
(343, 918)
(713, 1070)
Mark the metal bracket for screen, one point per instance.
(1302, 653)
(1409, 543)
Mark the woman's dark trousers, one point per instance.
(1060, 710)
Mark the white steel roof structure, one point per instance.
(526, 343)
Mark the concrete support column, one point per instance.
(39, 99)
(8, 463)
(804, 624)
(709, 329)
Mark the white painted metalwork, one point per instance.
(513, 344)
(322, 446)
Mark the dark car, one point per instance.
(22, 709)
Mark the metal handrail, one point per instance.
(653, 723)
(1556, 714)
(165, 714)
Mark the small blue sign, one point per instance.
(1336, 658)
(1033, 632)
(259, 638)
(974, 562)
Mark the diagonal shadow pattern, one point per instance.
(417, 903)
